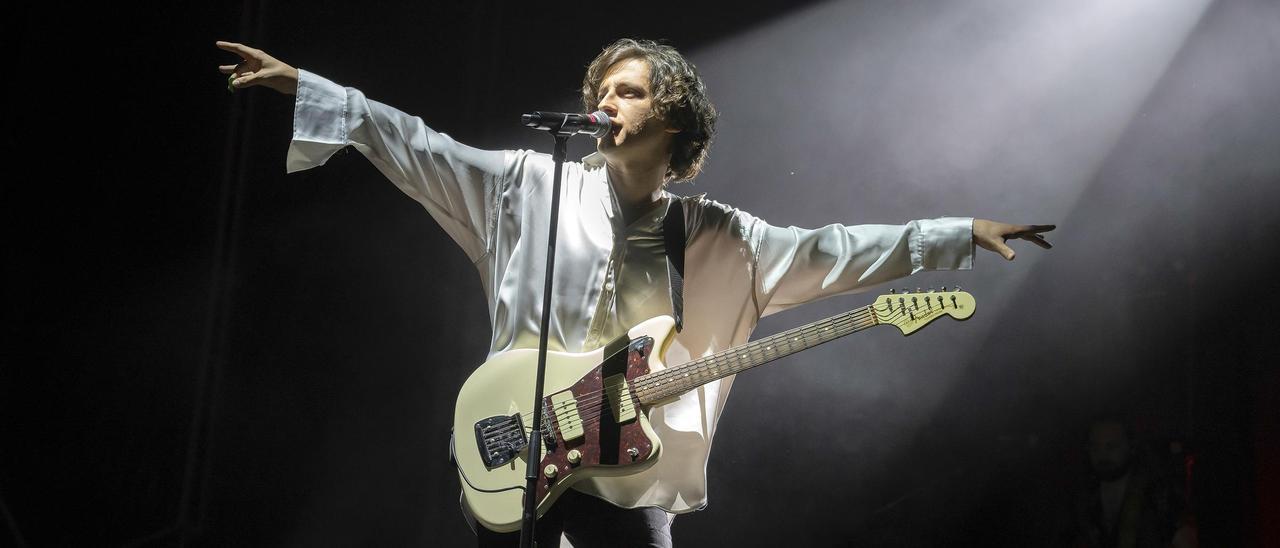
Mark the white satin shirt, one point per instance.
(610, 275)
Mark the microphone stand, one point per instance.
(530, 516)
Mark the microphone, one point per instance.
(596, 124)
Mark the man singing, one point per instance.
(612, 259)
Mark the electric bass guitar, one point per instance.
(595, 412)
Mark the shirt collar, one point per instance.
(593, 161)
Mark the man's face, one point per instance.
(1108, 451)
(625, 95)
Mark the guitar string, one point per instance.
(810, 334)
(805, 335)
(759, 349)
(841, 321)
(702, 374)
(593, 417)
(856, 318)
(710, 366)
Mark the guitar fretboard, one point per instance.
(660, 385)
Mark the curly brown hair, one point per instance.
(679, 97)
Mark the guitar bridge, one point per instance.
(500, 439)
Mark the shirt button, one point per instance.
(608, 286)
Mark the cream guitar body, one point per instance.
(593, 424)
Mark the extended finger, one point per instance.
(1027, 230)
(239, 49)
(227, 69)
(1038, 240)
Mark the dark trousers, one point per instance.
(589, 522)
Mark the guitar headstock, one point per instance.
(911, 311)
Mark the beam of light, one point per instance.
(882, 112)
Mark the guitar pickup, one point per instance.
(565, 408)
(619, 396)
(500, 439)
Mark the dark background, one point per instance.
(200, 349)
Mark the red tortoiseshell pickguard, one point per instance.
(604, 443)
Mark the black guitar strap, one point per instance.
(674, 238)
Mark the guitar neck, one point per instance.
(661, 385)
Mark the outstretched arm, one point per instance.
(457, 184)
(795, 265)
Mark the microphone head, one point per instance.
(602, 124)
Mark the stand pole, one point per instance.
(530, 516)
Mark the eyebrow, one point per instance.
(625, 83)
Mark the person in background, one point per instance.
(1128, 502)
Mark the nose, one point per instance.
(607, 104)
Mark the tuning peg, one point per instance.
(906, 290)
(918, 290)
(944, 289)
(957, 289)
(893, 291)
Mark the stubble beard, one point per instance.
(627, 134)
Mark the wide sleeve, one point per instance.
(458, 185)
(795, 265)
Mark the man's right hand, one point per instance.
(256, 68)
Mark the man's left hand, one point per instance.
(992, 236)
